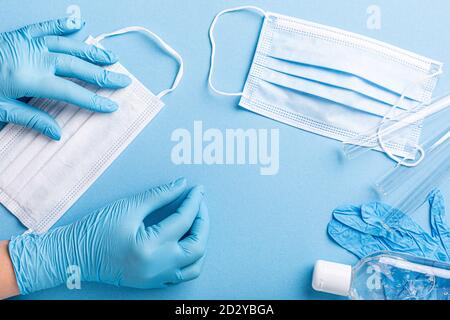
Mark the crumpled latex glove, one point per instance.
(378, 227)
(33, 62)
(113, 246)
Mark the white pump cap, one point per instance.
(331, 277)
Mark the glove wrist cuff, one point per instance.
(35, 263)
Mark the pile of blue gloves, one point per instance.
(374, 227)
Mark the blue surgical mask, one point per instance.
(332, 82)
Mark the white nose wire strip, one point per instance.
(213, 45)
(422, 152)
(161, 42)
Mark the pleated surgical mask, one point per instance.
(41, 178)
(332, 82)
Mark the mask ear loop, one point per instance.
(161, 42)
(403, 162)
(213, 45)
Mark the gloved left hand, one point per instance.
(378, 227)
(33, 62)
(112, 245)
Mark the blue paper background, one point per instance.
(267, 231)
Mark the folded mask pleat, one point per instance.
(30, 149)
(15, 139)
(306, 112)
(339, 79)
(381, 64)
(312, 106)
(339, 95)
(43, 150)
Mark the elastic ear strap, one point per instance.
(422, 152)
(443, 139)
(161, 42)
(213, 45)
(409, 86)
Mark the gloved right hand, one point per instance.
(33, 62)
(112, 245)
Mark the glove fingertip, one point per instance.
(199, 188)
(102, 56)
(434, 195)
(104, 105)
(53, 133)
(111, 57)
(345, 210)
(119, 80)
(182, 181)
(72, 24)
(334, 227)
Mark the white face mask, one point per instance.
(41, 179)
(332, 82)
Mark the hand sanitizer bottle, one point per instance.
(385, 276)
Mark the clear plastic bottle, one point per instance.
(385, 276)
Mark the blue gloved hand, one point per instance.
(378, 227)
(33, 61)
(113, 246)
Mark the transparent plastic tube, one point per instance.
(359, 145)
(400, 175)
(418, 196)
(431, 174)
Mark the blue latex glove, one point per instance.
(376, 227)
(113, 246)
(33, 61)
